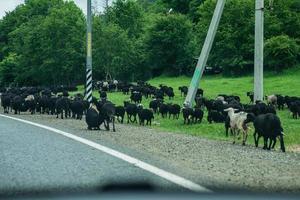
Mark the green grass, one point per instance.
(286, 83)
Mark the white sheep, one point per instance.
(237, 123)
(272, 99)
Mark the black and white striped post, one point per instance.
(89, 84)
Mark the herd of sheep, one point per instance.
(226, 109)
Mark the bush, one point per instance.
(280, 53)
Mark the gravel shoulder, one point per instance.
(218, 165)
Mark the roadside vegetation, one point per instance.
(42, 42)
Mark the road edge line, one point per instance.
(185, 183)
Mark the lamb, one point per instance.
(272, 100)
(237, 123)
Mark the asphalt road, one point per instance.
(32, 158)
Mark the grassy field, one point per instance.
(286, 83)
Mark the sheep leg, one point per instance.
(245, 135)
(256, 138)
(234, 135)
(113, 123)
(127, 118)
(226, 130)
(274, 143)
(282, 143)
(106, 125)
(265, 142)
(270, 143)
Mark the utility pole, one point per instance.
(106, 4)
(259, 50)
(202, 60)
(89, 84)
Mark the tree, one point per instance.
(281, 52)
(7, 69)
(51, 47)
(169, 45)
(114, 52)
(234, 42)
(128, 15)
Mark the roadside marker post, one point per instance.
(89, 79)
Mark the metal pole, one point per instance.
(106, 4)
(204, 53)
(259, 50)
(89, 85)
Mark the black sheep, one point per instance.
(18, 104)
(154, 105)
(62, 107)
(199, 92)
(251, 96)
(92, 118)
(215, 116)
(131, 111)
(183, 90)
(163, 110)
(136, 97)
(120, 113)
(170, 93)
(107, 112)
(197, 115)
(103, 95)
(295, 109)
(77, 108)
(269, 127)
(145, 115)
(5, 102)
(174, 109)
(187, 114)
(280, 102)
(30, 103)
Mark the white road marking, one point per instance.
(145, 166)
